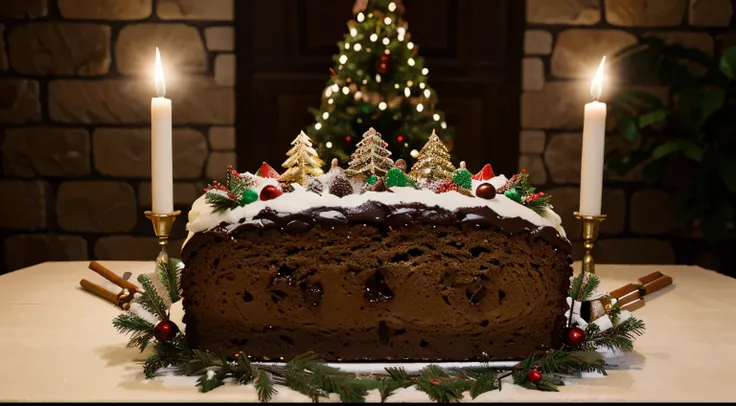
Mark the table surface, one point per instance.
(57, 343)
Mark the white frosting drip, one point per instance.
(202, 216)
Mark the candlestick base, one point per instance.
(162, 225)
(590, 227)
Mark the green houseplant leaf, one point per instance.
(711, 103)
(653, 117)
(728, 63)
(687, 147)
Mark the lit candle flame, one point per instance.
(158, 77)
(596, 88)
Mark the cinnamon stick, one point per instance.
(99, 291)
(109, 275)
(657, 284)
(638, 304)
(628, 298)
(624, 290)
(650, 278)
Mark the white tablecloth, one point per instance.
(57, 343)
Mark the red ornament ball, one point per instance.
(348, 138)
(400, 138)
(165, 330)
(270, 192)
(534, 376)
(574, 337)
(485, 191)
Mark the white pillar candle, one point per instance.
(162, 178)
(594, 141)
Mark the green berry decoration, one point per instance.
(463, 178)
(372, 180)
(395, 177)
(249, 196)
(513, 194)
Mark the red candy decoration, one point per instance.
(485, 174)
(165, 330)
(574, 337)
(266, 171)
(534, 376)
(270, 192)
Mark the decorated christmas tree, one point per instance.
(380, 81)
(371, 156)
(302, 161)
(433, 162)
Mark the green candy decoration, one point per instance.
(463, 178)
(411, 183)
(513, 194)
(372, 180)
(395, 177)
(249, 196)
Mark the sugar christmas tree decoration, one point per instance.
(302, 162)
(433, 162)
(371, 156)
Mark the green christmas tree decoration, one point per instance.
(463, 178)
(371, 180)
(379, 79)
(249, 196)
(395, 177)
(433, 162)
(513, 194)
(371, 156)
(302, 162)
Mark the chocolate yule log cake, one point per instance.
(372, 263)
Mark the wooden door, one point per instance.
(473, 49)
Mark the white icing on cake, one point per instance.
(202, 216)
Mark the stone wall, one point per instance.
(564, 42)
(75, 90)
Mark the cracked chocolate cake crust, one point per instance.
(377, 283)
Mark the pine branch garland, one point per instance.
(150, 300)
(210, 380)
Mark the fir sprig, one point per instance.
(619, 338)
(141, 330)
(397, 378)
(264, 385)
(150, 300)
(525, 193)
(168, 274)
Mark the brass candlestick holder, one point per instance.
(162, 225)
(591, 226)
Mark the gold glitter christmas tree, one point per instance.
(371, 156)
(302, 161)
(433, 162)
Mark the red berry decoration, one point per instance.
(534, 376)
(485, 173)
(485, 191)
(165, 330)
(270, 192)
(574, 337)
